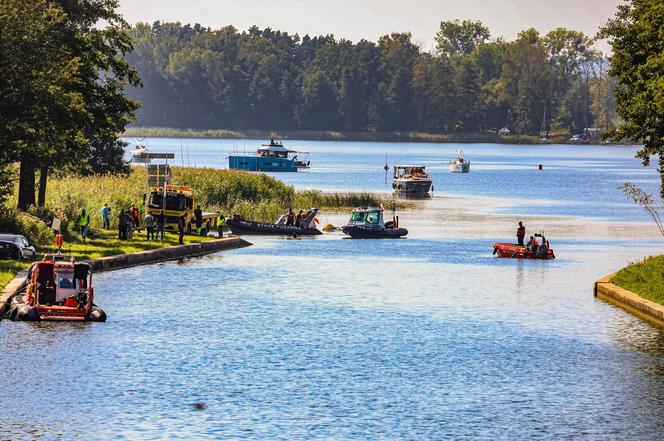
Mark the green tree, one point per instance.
(637, 63)
(455, 37)
(63, 77)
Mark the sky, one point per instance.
(369, 19)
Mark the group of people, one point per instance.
(298, 220)
(533, 243)
(155, 225)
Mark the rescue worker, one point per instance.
(198, 218)
(299, 218)
(135, 217)
(529, 244)
(83, 224)
(182, 222)
(122, 225)
(290, 218)
(520, 233)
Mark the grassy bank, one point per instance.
(475, 137)
(107, 245)
(645, 278)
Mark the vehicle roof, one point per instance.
(9, 237)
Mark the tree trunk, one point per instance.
(26, 185)
(41, 196)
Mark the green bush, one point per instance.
(33, 228)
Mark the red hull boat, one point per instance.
(515, 251)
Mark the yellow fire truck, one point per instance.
(178, 199)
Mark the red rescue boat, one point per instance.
(516, 251)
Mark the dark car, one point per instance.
(15, 246)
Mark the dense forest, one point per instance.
(201, 78)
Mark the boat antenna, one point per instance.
(181, 153)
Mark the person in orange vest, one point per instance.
(520, 233)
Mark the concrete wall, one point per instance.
(629, 301)
(133, 259)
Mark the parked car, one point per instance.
(15, 246)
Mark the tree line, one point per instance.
(202, 78)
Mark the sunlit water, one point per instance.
(428, 337)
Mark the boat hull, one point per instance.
(244, 228)
(258, 163)
(460, 167)
(411, 185)
(514, 251)
(361, 232)
(19, 310)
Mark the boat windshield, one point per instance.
(358, 216)
(373, 217)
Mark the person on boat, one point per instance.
(301, 216)
(272, 143)
(182, 222)
(106, 217)
(529, 244)
(149, 226)
(198, 218)
(83, 224)
(520, 233)
(535, 244)
(290, 218)
(161, 224)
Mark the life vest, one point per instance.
(85, 220)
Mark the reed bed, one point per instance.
(252, 195)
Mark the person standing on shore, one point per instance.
(182, 221)
(161, 224)
(83, 224)
(221, 221)
(520, 233)
(198, 218)
(122, 225)
(106, 217)
(149, 226)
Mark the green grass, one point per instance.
(558, 136)
(107, 245)
(645, 278)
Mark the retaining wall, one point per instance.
(133, 259)
(629, 301)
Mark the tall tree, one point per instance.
(64, 77)
(460, 38)
(637, 63)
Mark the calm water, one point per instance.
(429, 337)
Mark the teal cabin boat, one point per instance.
(272, 157)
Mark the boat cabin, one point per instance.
(371, 217)
(60, 289)
(410, 172)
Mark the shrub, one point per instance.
(33, 228)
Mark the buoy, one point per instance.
(329, 227)
(541, 166)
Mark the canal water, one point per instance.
(428, 337)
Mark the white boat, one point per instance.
(459, 165)
(411, 179)
(137, 154)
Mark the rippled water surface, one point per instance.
(428, 337)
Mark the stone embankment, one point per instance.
(629, 301)
(134, 259)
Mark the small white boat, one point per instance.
(459, 165)
(137, 154)
(411, 179)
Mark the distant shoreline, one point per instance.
(323, 135)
